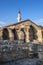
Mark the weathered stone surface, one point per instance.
(25, 30)
(24, 61)
(40, 52)
(13, 50)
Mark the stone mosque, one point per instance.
(25, 30)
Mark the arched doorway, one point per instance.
(5, 33)
(15, 34)
(32, 33)
(23, 35)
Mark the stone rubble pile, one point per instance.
(13, 50)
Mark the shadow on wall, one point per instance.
(15, 34)
(5, 33)
(32, 33)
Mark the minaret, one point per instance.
(19, 16)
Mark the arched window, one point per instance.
(23, 35)
(15, 34)
(5, 34)
(32, 33)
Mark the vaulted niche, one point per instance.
(15, 34)
(32, 33)
(23, 35)
(5, 34)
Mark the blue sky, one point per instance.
(30, 9)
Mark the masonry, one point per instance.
(26, 31)
(13, 50)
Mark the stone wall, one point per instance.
(26, 31)
(13, 50)
(40, 52)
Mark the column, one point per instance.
(27, 33)
(11, 36)
(19, 34)
(39, 34)
(1, 38)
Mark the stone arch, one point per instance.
(22, 35)
(32, 33)
(5, 34)
(15, 34)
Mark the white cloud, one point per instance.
(2, 23)
(40, 20)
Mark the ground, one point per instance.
(25, 61)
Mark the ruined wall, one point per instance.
(27, 34)
(26, 31)
(13, 50)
